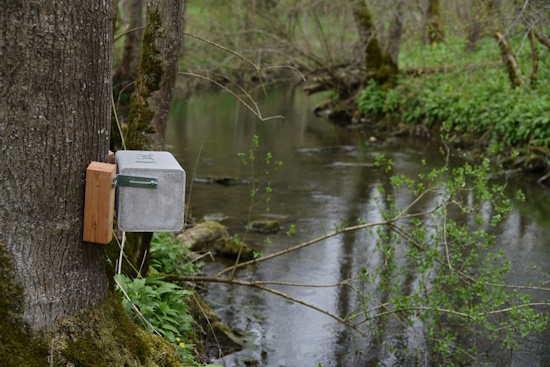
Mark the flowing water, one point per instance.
(328, 178)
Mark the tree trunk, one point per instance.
(434, 22)
(378, 63)
(152, 98)
(396, 30)
(509, 60)
(127, 70)
(367, 35)
(543, 39)
(474, 27)
(534, 58)
(55, 80)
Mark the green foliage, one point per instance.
(479, 101)
(256, 184)
(161, 303)
(461, 293)
(169, 255)
(372, 100)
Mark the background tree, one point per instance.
(395, 32)
(127, 69)
(377, 62)
(507, 54)
(474, 13)
(435, 32)
(151, 101)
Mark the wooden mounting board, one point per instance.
(99, 203)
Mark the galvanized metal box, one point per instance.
(142, 205)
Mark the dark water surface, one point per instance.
(328, 177)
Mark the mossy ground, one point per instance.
(102, 335)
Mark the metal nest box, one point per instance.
(150, 195)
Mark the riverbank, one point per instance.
(471, 97)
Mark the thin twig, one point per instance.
(117, 121)
(220, 351)
(322, 238)
(257, 112)
(191, 184)
(267, 289)
(125, 33)
(126, 257)
(122, 91)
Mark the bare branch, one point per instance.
(125, 33)
(267, 289)
(255, 112)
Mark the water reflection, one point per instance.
(327, 177)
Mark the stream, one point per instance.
(327, 178)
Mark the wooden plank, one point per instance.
(99, 203)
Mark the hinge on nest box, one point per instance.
(135, 181)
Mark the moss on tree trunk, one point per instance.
(434, 23)
(101, 335)
(17, 348)
(509, 60)
(152, 98)
(379, 63)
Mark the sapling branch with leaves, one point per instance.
(259, 192)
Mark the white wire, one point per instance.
(121, 252)
(117, 122)
(124, 146)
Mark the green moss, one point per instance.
(434, 27)
(17, 347)
(363, 18)
(386, 73)
(103, 335)
(229, 248)
(264, 226)
(140, 131)
(203, 236)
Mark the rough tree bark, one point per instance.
(55, 80)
